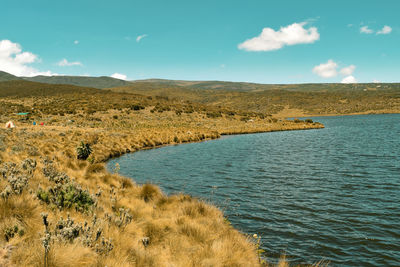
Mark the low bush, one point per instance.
(137, 107)
(10, 232)
(214, 114)
(83, 151)
(66, 196)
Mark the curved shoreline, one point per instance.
(178, 223)
(215, 135)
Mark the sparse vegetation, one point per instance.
(92, 217)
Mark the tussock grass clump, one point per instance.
(126, 183)
(150, 192)
(95, 168)
(195, 209)
(20, 207)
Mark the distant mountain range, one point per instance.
(94, 82)
(109, 82)
(140, 86)
(282, 99)
(5, 77)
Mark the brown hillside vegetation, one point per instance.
(309, 99)
(58, 210)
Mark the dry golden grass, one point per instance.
(160, 230)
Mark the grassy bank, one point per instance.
(58, 210)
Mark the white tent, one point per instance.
(10, 124)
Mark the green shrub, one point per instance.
(137, 107)
(43, 196)
(309, 120)
(10, 232)
(83, 150)
(214, 114)
(67, 196)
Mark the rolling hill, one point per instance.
(4, 77)
(307, 99)
(83, 81)
(95, 82)
(315, 99)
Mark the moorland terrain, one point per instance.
(59, 206)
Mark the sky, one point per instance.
(286, 41)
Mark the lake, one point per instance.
(329, 194)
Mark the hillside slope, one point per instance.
(95, 82)
(4, 76)
(309, 99)
(23, 88)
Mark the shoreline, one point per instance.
(217, 135)
(343, 115)
(178, 222)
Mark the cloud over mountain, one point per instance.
(349, 79)
(330, 70)
(119, 76)
(13, 60)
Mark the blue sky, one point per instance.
(303, 41)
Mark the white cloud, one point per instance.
(348, 70)
(329, 70)
(385, 30)
(13, 60)
(326, 70)
(365, 29)
(349, 79)
(269, 39)
(119, 76)
(66, 63)
(140, 37)
(76, 42)
(376, 81)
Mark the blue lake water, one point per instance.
(330, 194)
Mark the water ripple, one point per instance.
(328, 194)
